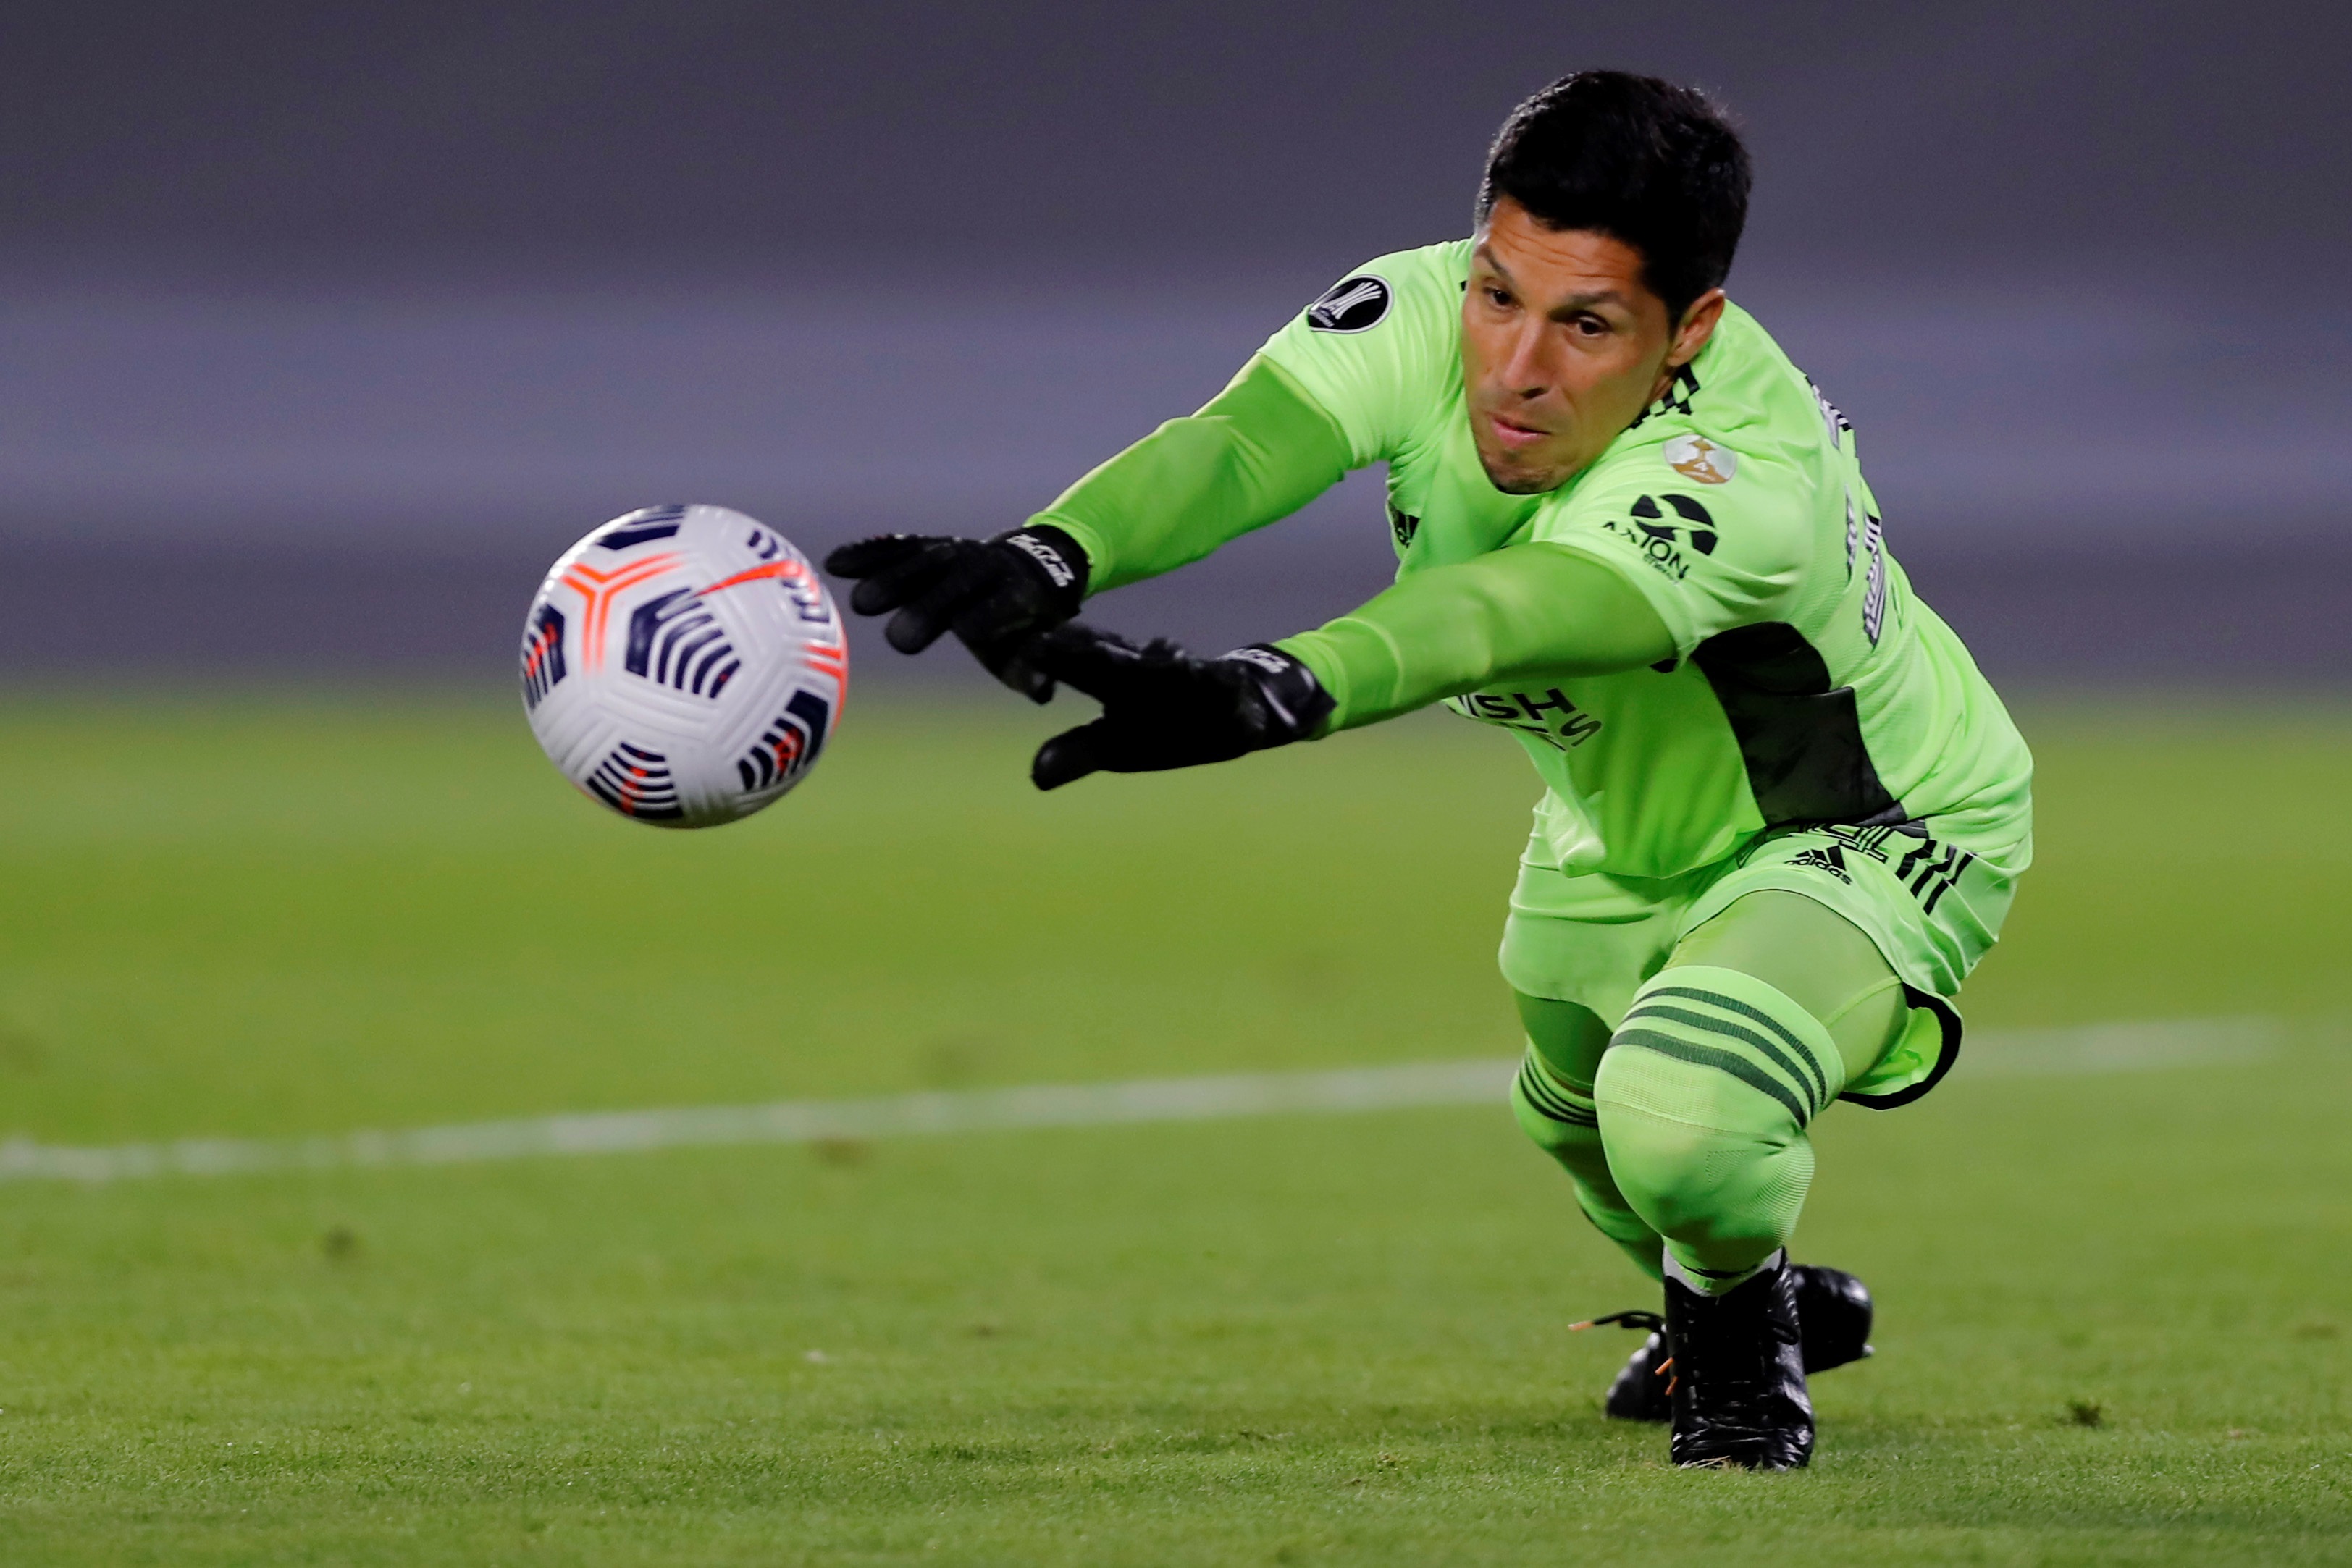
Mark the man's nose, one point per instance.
(1523, 372)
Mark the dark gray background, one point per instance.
(323, 327)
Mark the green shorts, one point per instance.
(1931, 908)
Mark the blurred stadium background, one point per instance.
(325, 328)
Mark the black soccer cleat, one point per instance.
(1739, 1400)
(1834, 1313)
(1639, 1391)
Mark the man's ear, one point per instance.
(1697, 327)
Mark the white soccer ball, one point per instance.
(684, 665)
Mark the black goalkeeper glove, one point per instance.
(996, 595)
(1164, 709)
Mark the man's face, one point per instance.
(1563, 346)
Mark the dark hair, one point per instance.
(1646, 162)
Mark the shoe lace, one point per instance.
(1648, 1322)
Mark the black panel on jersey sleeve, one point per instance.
(1801, 739)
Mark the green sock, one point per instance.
(1556, 1110)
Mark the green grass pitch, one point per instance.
(1292, 1340)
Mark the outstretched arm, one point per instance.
(1452, 629)
(1259, 451)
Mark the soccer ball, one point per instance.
(684, 665)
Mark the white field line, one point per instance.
(2103, 1048)
(2117, 1046)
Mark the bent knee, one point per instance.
(1701, 1155)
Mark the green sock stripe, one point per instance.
(1557, 1091)
(1722, 1061)
(1734, 1005)
(1551, 1105)
(1550, 1102)
(1718, 1027)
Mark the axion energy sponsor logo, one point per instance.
(1662, 543)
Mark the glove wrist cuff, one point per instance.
(1060, 563)
(1296, 703)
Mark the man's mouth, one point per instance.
(1512, 435)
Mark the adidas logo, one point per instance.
(1829, 859)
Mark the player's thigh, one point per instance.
(1568, 1037)
(1815, 958)
(1587, 942)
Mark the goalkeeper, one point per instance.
(1783, 813)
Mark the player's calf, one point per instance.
(1563, 1121)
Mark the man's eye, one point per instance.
(1588, 326)
(1498, 299)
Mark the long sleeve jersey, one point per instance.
(1806, 683)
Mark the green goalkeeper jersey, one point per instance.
(1808, 685)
